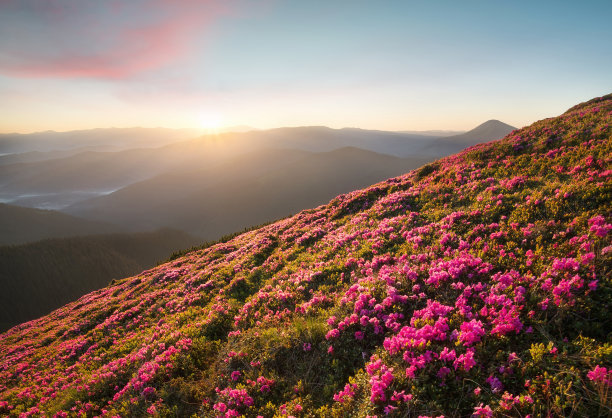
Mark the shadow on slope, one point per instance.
(38, 277)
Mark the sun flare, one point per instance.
(210, 123)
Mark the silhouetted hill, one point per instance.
(488, 131)
(433, 132)
(322, 139)
(250, 189)
(19, 225)
(38, 277)
(477, 285)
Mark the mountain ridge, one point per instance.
(98, 138)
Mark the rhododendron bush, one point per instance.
(477, 285)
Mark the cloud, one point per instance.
(101, 39)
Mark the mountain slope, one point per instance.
(38, 277)
(87, 172)
(478, 284)
(19, 225)
(250, 189)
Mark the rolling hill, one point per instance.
(19, 225)
(57, 183)
(38, 277)
(479, 284)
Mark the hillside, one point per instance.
(477, 284)
(38, 277)
(19, 225)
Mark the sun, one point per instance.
(210, 123)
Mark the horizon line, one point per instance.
(245, 128)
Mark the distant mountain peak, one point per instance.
(492, 124)
(490, 130)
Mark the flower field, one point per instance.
(477, 285)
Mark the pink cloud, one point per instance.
(104, 40)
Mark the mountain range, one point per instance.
(110, 139)
(129, 187)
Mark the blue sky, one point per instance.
(393, 65)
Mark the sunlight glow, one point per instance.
(211, 123)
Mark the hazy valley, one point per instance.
(88, 182)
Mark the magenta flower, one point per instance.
(600, 375)
(483, 411)
(471, 332)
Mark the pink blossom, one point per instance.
(483, 411)
(334, 333)
(465, 361)
(220, 406)
(347, 393)
(471, 332)
(600, 375)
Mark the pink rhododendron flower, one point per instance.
(600, 375)
(483, 411)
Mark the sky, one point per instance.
(389, 65)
